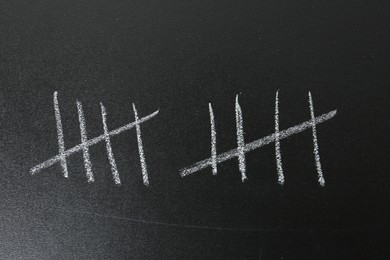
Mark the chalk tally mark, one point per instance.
(316, 151)
(213, 133)
(141, 149)
(276, 137)
(240, 141)
(86, 143)
(85, 147)
(278, 155)
(110, 154)
(60, 134)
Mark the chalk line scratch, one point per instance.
(213, 141)
(278, 155)
(167, 224)
(240, 141)
(218, 228)
(110, 154)
(316, 152)
(60, 134)
(261, 250)
(141, 149)
(85, 147)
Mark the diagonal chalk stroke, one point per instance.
(91, 142)
(85, 147)
(259, 143)
(60, 134)
(110, 154)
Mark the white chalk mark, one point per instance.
(84, 138)
(278, 155)
(213, 141)
(240, 141)
(60, 134)
(110, 154)
(90, 142)
(167, 224)
(141, 148)
(258, 143)
(316, 152)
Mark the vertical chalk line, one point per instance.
(60, 134)
(141, 148)
(84, 139)
(316, 152)
(110, 154)
(240, 141)
(213, 141)
(278, 155)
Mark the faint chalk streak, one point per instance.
(158, 223)
(218, 228)
(261, 250)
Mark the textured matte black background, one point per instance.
(177, 56)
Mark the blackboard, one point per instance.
(185, 59)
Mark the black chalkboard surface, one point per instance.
(186, 130)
